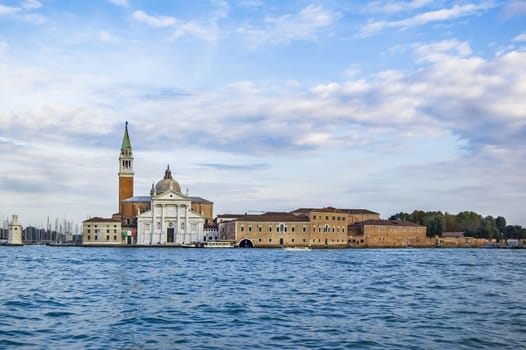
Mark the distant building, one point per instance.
(309, 227)
(387, 234)
(15, 231)
(104, 231)
(161, 217)
(170, 219)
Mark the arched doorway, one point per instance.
(246, 243)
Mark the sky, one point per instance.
(264, 105)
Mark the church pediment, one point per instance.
(170, 196)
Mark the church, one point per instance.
(166, 217)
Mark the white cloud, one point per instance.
(123, 3)
(457, 11)
(250, 3)
(244, 87)
(304, 25)
(107, 37)
(154, 21)
(31, 4)
(180, 28)
(25, 6)
(442, 50)
(390, 7)
(514, 9)
(7, 10)
(520, 38)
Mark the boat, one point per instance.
(219, 244)
(297, 249)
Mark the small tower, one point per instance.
(125, 169)
(15, 232)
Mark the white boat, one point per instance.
(219, 244)
(298, 249)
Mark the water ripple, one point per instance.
(261, 299)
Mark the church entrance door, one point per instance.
(170, 235)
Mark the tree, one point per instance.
(514, 232)
(469, 222)
(435, 225)
(501, 223)
(400, 217)
(488, 228)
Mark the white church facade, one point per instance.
(170, 219)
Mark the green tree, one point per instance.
(469, 223)
(451, 223)
(488, 228)
(400, 216)
(514, 232)
(501, 223)
(435, 225)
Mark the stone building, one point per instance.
(387, 234)
(104, 231)
(170, 219)
(308, 227)
(267, 230)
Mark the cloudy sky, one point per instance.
(265, 105)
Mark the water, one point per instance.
(111, 298)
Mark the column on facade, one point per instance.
(186, 222)
(153, 223)
(178, 223)
(163, 208)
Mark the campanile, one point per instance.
(125, 169)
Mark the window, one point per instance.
(260, 228)
(114, 231)
(314, 217)
(304, 240)
(293, 240)
(114, 238)
(242, 228)
(326, 218)
(107, 237)
(89, 237)
(259, 240)
(107, 230)
(293, 228)
(304, 229)
(333, 218)
(88, 230)
(270, 240)
(249, 228)
(269, 228)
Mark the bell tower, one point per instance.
(125, 169)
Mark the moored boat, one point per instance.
(294, 249)
(219, 244)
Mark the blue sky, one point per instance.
(265, 105)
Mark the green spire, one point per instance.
(126, 144)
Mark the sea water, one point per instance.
(115, 298)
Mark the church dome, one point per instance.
(167, 183)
